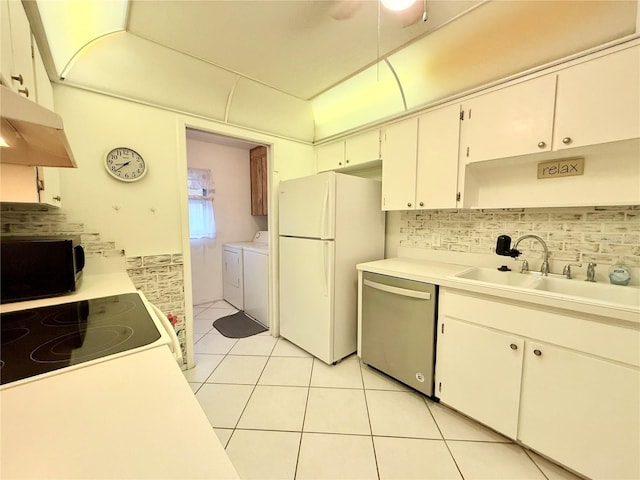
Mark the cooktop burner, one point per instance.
(44, 339)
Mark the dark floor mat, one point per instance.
(238, 325)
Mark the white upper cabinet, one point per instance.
(351, 152)
(599, 101)
(16, 63)
(399, 159)
(362, 148)
(513, 121)
(330, 156)
(420, 161)
(437, 169)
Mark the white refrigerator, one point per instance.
(328, 223)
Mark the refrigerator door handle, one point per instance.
(325, 267)
(398, 291)
(325, 210)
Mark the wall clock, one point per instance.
(125, 164)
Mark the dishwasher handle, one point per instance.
(398, 291)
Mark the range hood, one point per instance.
(34, 135)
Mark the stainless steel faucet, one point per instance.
(544, 268)
(567, 269)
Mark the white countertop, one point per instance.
(91, 286)
(439, 273)
(133, 417)
(129, 415)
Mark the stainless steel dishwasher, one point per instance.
(399, 328)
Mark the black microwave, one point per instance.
(39, 266)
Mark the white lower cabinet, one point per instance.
(484, 381)
(581, 410)
(565, 384)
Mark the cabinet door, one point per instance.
(399, 157)
(599, 101)
(517, 120)
(437, 170)
(6, 48)
(258, 175)
(330, 156)
(21, 45)
(582, 411)
(478, 372)
(362, 148)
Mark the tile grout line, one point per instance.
(304, 418)
(366, 404)
(446, 444)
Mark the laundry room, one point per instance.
(220, 206)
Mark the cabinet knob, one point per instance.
(339, 163)
(408, 204)
(24, 91)
(542, 144)
(422, 204)
(537, 352)
(513, 346)
(18, 78)
(567, 140)
(57, 198)
(346, 161)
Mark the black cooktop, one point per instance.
(44, 339)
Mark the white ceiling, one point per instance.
(256, 63)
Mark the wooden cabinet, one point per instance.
(349, 154)
(16, 62)
(513, 121)
(581, 410)
(479, 373)
(258, 173)
(420, 161)
(599, 101)
(565, 384)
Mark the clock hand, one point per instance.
(122, 165)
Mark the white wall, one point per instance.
(229, 168)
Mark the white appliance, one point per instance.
(246, 276)
(328, 223)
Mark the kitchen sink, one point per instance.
(497, 277)
(597, 291)
(556, 285)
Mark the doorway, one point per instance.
(227, 160)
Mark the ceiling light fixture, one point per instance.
(397, 5)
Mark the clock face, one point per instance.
(125, 164)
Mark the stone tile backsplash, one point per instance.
(160, 277)
(588, 234)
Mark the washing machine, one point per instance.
(246, 276)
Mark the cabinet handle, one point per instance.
(57, 198)
(513, 346)
(537, 352)
(542, 144)
(422, 204)
(18, 78)
(408, 204)
(25, 91)
(567, 140)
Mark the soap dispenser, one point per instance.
(619, 273)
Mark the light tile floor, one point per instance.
(281, 413)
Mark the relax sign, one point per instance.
(561, 168)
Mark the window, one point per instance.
(201, 220)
